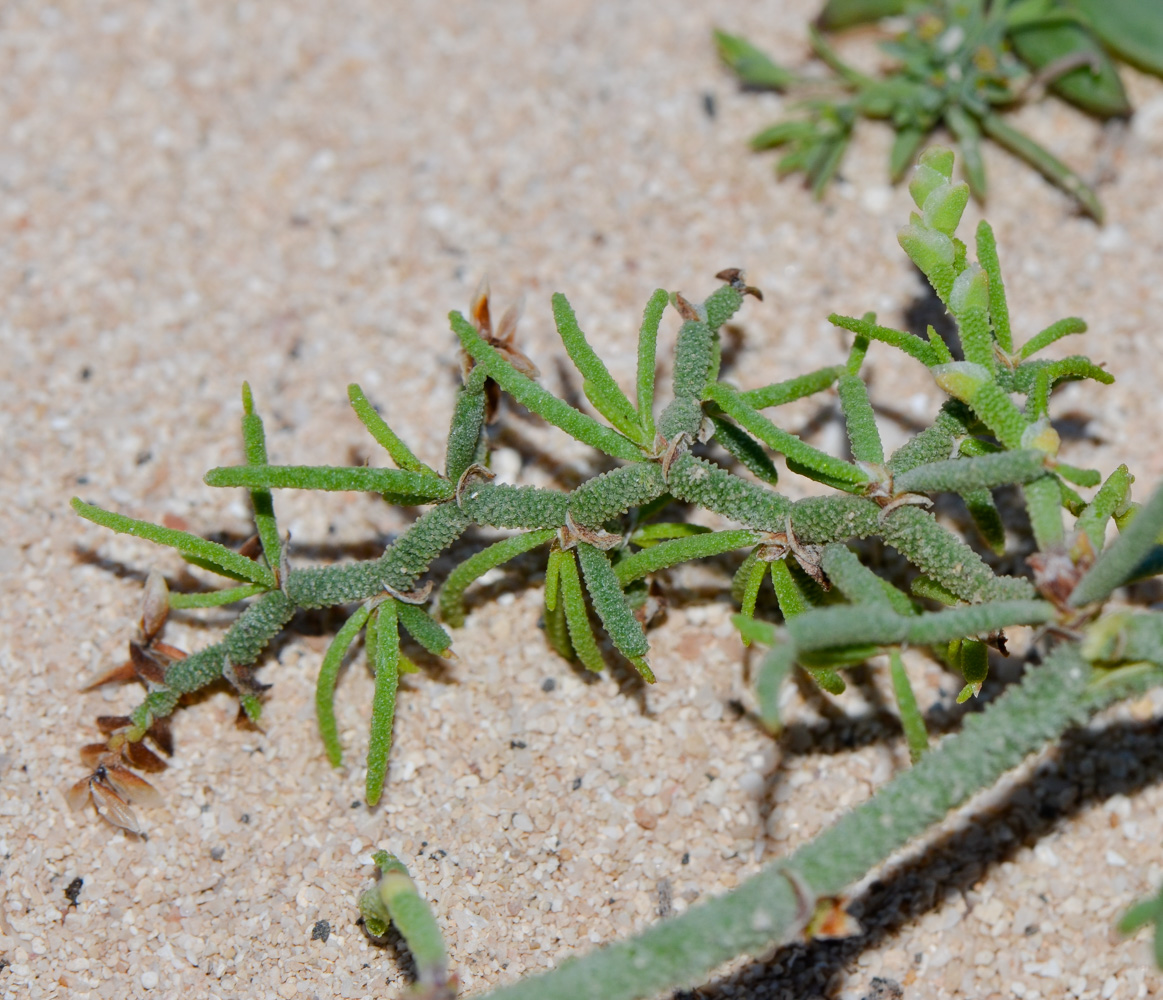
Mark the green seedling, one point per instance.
(958, 65)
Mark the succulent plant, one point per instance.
(960, 65)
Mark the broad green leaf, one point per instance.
(1096, 88)
(1132, 29)
(839, 14)
(753, 67)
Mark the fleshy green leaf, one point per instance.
(328, 675)
(598, 384)
(792, 389)
(999, 311)
(386, 660)
(651, 534)
(459, 580)
(745, 450)
(860, 420)
(963, 475)
(542, 402)
(211, 554)
(647, 348)
(1132, 29)
(1055, 331)
(905, 144)
(1112, 496)
(609, 602)
(749, 578)
(912, 721)
(911, 344)
(769, 681)
(968, 135)
(680, 550)
(216, 598)
(329, 477)
(811, 459)
(839, 14)
(1042, 160)
(1118, 562)
(577, 618)
(791, 597)
(401, 903)
(753, 67)
(423, 628)
(255, 448)
(379, 429)
(1096, 88)
(465, 434)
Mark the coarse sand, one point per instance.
(296, 194)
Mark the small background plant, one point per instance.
(960, 65)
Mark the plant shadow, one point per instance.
(1091, 765)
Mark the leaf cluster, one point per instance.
(961, 65)
(716, 447)
(606, 539)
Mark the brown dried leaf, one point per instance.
(119, 675)
(129, 786)
(111, 807)
(142, 757)
(95, 754)
(162, 734)
(147, 666)
(78, 795)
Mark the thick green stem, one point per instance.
(769, 908)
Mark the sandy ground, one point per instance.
(296, 194)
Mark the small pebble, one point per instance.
(645, 818)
